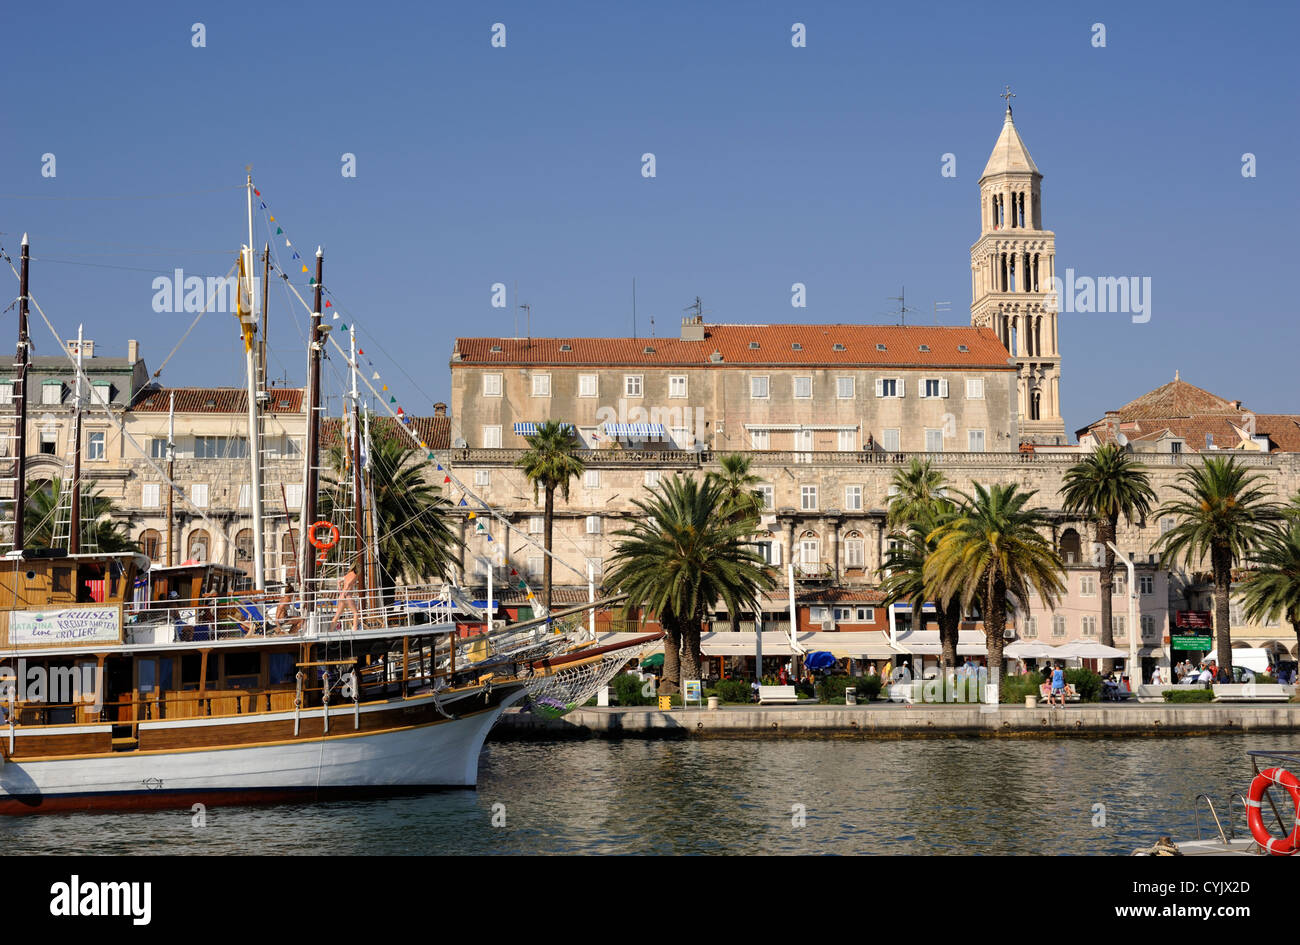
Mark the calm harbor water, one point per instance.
(942, 796)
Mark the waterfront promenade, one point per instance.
(895, 720)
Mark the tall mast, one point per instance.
(74, 525)
(358, 514)
(371, 524)
(266, 291)
(315, 343)
(21, 360)
(171, 472)
(248, 322)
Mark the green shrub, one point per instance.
(733, 690)
(627, 690)
(1015, 688)
(830, 691)
(1189, 695)
(1086, 683)
(869, 687)
(804, 690)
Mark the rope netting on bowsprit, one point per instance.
(564, 688)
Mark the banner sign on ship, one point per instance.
(74, 625)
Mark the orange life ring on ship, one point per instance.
(323, 545)
(1254, 811)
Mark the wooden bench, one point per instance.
(1253, 692)
(1071, 694)
(782, 694)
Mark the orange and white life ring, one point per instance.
(1283, 778)
(323, 545)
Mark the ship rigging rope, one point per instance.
(121, 428)
(202, 311)
(183, 193)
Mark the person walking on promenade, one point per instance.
(1058, 684)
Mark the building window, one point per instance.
(853, 498)
(677, 385)
(151, 543)
(889, 387)
(1087, 586)
(758, 387)
(844, 388)
(491, 385)
(535, 525)
(1176, 447)
(974, 388)
(1148, 626)
(1031, 628)
(808, 498)
(150, 495)
(199, 545)
(492, 438)
(588, 385)
(889, 440)
(1236, 615)
(769, 551)
(803, 388)
(591, 479)
(52, 393)
(293, 495)
(535, 565)
(482, 477)
(1058, 626)
(245, 496)
(1119, 626)
(1119, 585)
(818, 614)
(935, 387)
(1089, 626)
(593, 524)
(768, 495)
(848, 441)
(95, 446)
(541, 385)
(6, 393)
(101, 392)
(975, 441)
(220, 447)
(760, 440)
(1146, 584)
(934, 441)
(632, 384)
(199, 494)
(1166, 524)
(651, 478)
(854, 551)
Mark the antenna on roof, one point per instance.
(528, 320)
(902, 305)
(696, 307)
(947, 307)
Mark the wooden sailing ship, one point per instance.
(121, 689)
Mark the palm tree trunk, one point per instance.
(1221, 561)
(995, 624)
(949, 631)
(691, 649)
(546, 565)
(672, 681)
(1106, 588)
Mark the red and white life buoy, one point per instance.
(1283, 778)
(323, 544)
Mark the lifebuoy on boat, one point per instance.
(1283, 778)
(323, 545)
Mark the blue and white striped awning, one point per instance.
(529, 428)
(635, 431)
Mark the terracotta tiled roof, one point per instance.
(435, 431)
(812, 345)
(1176, 399)
(865, 595)
(1283, 431)
(215, 400)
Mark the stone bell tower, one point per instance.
(1012, 265)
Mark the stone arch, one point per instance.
(198, 546)
(151, 543)
(1070, 546)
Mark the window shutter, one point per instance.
(900, 387)
(880, 387)
(943, 388)
(776, 552)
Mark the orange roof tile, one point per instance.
(811, 345)
(215, 400)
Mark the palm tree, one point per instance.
(1224, 515)
(680, 558)
(99, 531)
(1107, 485)
(740, 496)
(551, 463)
(410, 513)
(916, 488)
(991, 549)
(916, 510)
(1272, 590)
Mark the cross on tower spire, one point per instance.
(1008, 95)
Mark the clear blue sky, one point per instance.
(775, 165)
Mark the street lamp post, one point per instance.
(1132, 619)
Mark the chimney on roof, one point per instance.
(1236, 405)
(440, 409)
(132, 351)
(693, 328)
(87, 348)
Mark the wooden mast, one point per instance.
(171, 474)
(74, 524)
(21, 360)
(315, 343)
(363, 584)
